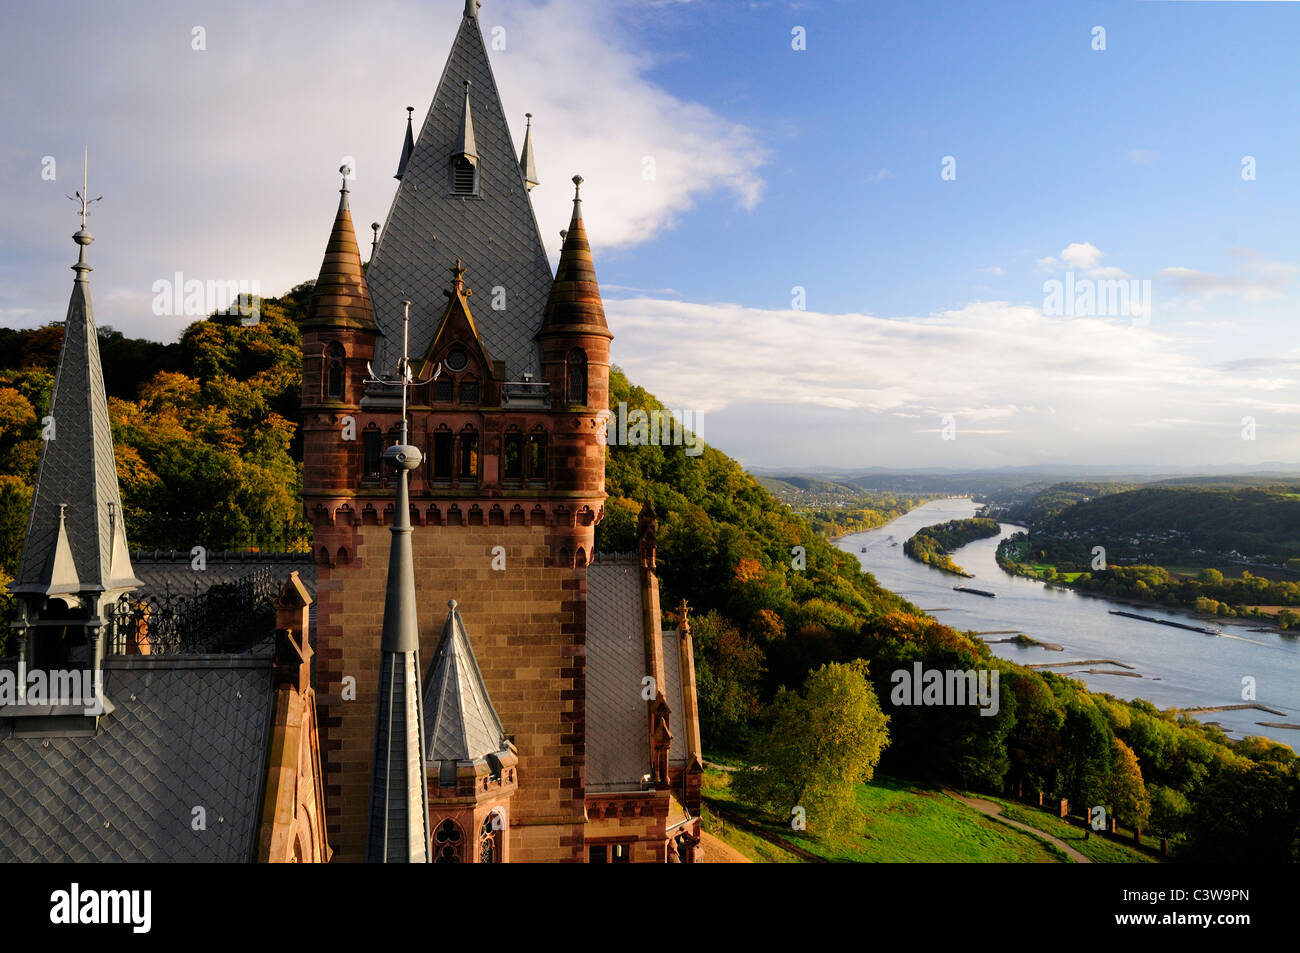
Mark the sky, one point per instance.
(846, 233)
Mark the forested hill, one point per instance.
(1256, 521)
(207, 451)
(1050, 502)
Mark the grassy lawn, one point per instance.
(897, 822)
(751, 845)
(1097, 848)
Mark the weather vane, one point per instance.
(81, 196)
(404, 379)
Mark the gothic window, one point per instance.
(444, 390)
(372, 442)
(464, 176)
(334, 371)
(469, 391)
(576, 374)
(441, 458)
(468, 469)
(446, 843)
(537, 457)
(489, 841)
(513, 457)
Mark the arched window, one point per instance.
(335, 373)
(441, 459)
(468, 468)
(512, 457)
(446, 843)
(537, 456)
(489, 839)
(576, 374)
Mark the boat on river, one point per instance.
(975, 592)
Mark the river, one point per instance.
(1177, 667)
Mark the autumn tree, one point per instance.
(818, 747)
(1128, 796)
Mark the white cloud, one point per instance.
(781, 380)
(1080, 254)
(225, 168)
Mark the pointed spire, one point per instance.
(460, 721)
(496, 233)
(340, 298)
(527, 164)
(399, 797)
(72, 544)
(465, 139)
(408, 146)
(574, 303)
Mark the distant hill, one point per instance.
(1256, 521)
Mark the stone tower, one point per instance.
(509, 382)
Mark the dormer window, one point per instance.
(464, 176)
(464, 161)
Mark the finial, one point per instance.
(374, 242)
(577, 188)
(471, 8)
(529, 117)
(564, 233)
(458, 276)
(83, 237)
(410, 113)
(345, 170)
(451, 604)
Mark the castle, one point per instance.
(556, 721)
(454, 474)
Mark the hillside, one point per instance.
(209, 446)
(1258, 522)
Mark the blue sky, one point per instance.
(924, 300)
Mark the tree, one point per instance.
(1086, 754)
(1128, 794)
(727, 671)
(1210, 577)
(1170, 812)
(820, 745)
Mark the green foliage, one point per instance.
(728, 666)
(820, 745)
(933, 545)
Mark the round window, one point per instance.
(457, 360)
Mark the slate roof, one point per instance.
(618, 732)
(77, 476)
(495, 233)
(673, 694)
(163, 573)
(460, 723)
(186, 732)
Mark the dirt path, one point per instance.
(718, 851)
(994, 811)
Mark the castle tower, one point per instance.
(75, 563)
(507, 419)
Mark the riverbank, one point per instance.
(1180, 669)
